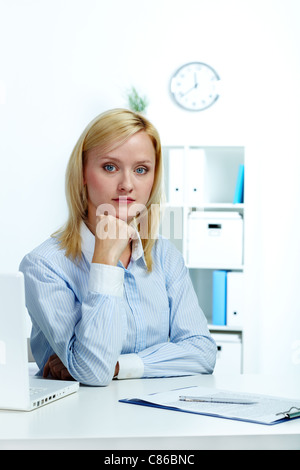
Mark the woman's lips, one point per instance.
(124, 200)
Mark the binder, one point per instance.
(219, 298)
(194, 177)
(235, 299)
(239, 188)
(176, 176)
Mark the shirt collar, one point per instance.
(88, 244)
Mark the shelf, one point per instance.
(219, 267)
(210, 206)
(225, 328)
(191, 195)
(220, 206)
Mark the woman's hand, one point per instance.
(58, 371)
(56, 368)
(113, 236)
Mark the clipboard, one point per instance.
(265, 409)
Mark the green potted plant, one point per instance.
(136, 102)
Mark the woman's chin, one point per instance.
(123, 215)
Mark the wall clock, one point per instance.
(194, 86)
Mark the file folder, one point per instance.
(194, 177)
(235, 299)
(176, 176)
(239, 188)
(219, 297)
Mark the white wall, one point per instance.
(65, 61)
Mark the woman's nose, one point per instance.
(125, 183)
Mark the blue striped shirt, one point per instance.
(93, 315)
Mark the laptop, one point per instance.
(19, 391)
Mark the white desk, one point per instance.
(94, 419)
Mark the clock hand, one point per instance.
(195, 78)
(191, 89)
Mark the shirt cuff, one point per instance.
(107, 280)
(131, 366)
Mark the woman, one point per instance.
(106, 295)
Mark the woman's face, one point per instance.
(120, 180)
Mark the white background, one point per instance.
(62, 62)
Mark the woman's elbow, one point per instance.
(211, 357)
(100, 377)
(208, 358)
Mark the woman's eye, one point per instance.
(141, 170)
(109, 168)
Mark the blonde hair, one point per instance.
(109, 130)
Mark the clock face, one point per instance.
(194, 86)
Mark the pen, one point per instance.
(233, 401)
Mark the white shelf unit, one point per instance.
(217, 175)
